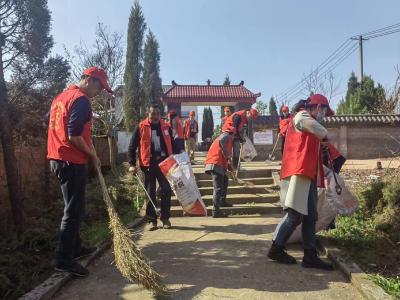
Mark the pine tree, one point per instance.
(273, 109)
(210, 123)
(151, 72)
(133, 95)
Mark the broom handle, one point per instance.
(147, 194)
(276, 144)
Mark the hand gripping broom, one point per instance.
(128, 258)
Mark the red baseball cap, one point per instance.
(285, 108)
(254, 113)
(99, 74)
(318, 99)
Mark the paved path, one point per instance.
(206, 258)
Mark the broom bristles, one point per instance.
(129, 260)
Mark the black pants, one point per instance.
(178, 145)
(72, 178)
(152, 174)
(220, 185)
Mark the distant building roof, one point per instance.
(209, 93)
(362, 119)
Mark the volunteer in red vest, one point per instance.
(301, 174)
(177, 132)
(238, 121)
(283, 125)
(152, 140)
(227, 113)
(191, 129)
(217, 163)
(69, 149)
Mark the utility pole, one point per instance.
(361, 55)
(360, 49)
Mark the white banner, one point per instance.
(265, 137)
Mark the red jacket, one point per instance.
(229, 123)
(216, 155)
(302, 156)
(187, 128)
(58, 145)
(145, 141)
(283, 125)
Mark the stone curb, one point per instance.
(55, 282)
(352, 272)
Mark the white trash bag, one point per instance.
(178, 171)
(248, 150)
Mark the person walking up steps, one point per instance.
(191, 129)
(301, 174)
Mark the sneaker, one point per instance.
(85, 251)
(278, 254)
(219, 214)
(74, 268)
(311, 260)
(166, 224)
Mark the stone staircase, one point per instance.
(254, 197)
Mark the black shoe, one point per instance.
(74, 268)
(153, 225)
(219, 214)
(226, 204)
(166, 224)
(279, 254)
(311, 260)
(85, 251)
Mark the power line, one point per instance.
(343, 51)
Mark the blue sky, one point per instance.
(268, 44)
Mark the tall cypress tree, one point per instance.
(273, 110)
(151, 71)
(133, 95)
(204, 124)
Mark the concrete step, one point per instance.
(238, 199)
(238, 189)
(242, 209)
(257, 181)
(243, 173)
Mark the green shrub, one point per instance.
(373, 195)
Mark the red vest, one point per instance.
(229, 123)
(179, 129)
(301, 155)
(145, 141)
(58, 144)
(215, 154)
(187, 128)
(283, 125)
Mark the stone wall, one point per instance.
(355, 141)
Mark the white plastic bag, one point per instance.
(248, 150)
(178, 171)
(345, 203)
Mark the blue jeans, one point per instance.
(220, 185)
(295, 218)
(72, 178)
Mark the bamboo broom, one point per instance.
(129, 260)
